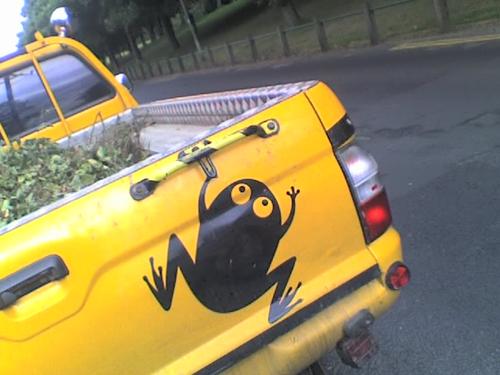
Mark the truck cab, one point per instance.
(55, 87)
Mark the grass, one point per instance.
(405, 19)
(469, 11)
(207, 26)
(235, 22)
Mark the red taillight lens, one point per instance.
(398, 276)
(377, 215)
(369, 193)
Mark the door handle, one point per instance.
(30, 278)
(201, 153)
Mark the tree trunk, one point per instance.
(160, 27)
(183, 19)
(152, 31)
(169, 28)
(142, 38)
(442, 14)
(132, 46)
(290, 13)
(112, 57)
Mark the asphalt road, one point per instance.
(431, 117)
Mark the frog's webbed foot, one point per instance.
(292, 193)
(283, 306)
(158, 289)
(163, 286)
(282, 302)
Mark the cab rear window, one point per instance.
(75, 85)
(24, 103)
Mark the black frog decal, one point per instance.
(238, 238)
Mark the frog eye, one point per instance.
(263, 207)
(241, 194)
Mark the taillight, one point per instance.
(377, 215)
(369, 193)
(398, 276)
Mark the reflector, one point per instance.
(398, 276)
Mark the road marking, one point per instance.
(446, 42)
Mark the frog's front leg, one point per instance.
(178, 258)
(282, 302)
(293, 197)
(202, 204)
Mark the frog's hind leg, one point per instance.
(282, 302)
(178, 258)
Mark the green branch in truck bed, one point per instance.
(40, 172)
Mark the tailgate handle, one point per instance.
(30, 278)
(201, 153)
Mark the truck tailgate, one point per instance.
(243, 256)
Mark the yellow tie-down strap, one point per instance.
(200, 153)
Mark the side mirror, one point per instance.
(62, 21)
(123, 80)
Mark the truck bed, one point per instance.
(161, 138)
(174, 124)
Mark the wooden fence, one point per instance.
(314, 37)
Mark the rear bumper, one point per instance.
(309, 341)
(305, 344)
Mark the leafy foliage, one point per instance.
(40, 172)
(106, 26)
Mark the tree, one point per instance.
(287, 8)
(91, 28)
(288, 11)
(170, 8)
(122, 15)
(106, 26)
(37, 14)
(161, 11)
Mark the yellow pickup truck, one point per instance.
(255, 239)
